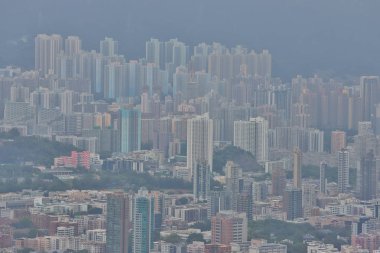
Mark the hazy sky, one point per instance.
(331, 37)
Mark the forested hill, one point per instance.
(16, 149)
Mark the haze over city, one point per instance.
(333, 38)
(189, 126)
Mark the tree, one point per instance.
(147, 145)
(94, 210)
(182, 201)
(26, 250)
(13, 133)
(195, 237)
(23, 223)
(203, 226)
(172, 238)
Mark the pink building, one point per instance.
(77, 159)
(338, 141)
(366, 241)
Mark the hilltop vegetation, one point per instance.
(278, 231)
(15, 149)
(239, 156)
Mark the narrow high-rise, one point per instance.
(343, 170)
(297, 173)
(322, 177)
(234, 176)
(338, 141)
(143, 222)
(367, 176)
(199, 142)
(201, 181)
(154, 52)
(369, 93)
(278, 181)
(130, 129)
(118, 222)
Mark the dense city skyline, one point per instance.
(212, 141)
(329, 40)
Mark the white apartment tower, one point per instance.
(47, 48)
(252, 136)
(343, 170)
(199, 142)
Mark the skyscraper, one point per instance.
(46, 51)
(201, 181)
(143, 222)
(338, 141)
(264, 65)
(278, 181)
(199, 142)
(118, 222)
(343, 170)
(109, 47)
(252, 136)
(377, 119)
(309, 198)
(234, 176)
(154, 53)
(322, 177)
(297, 173)
(115, 81)
(369, 93)
(228, 227)
(73, 45)
(367, 176)
(293, 203)
(130, 129)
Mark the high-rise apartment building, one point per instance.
(201, 181)
(46, 51)
(119, 222)
(338, 141)
(234, 175)
(264, 66)
(114, 85)
(293, 203)
(376, 119)
(252, 136)
(143, 222)
(154, 53)
(367, 176)
(278, 181)
(297, 164)
(322, 177)
(73, 45)
(369, 93)
(343, 170)
(109, 47)
(199, 142)
(309, 198)
(365, 128)
(228, 227)
(130, 129)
